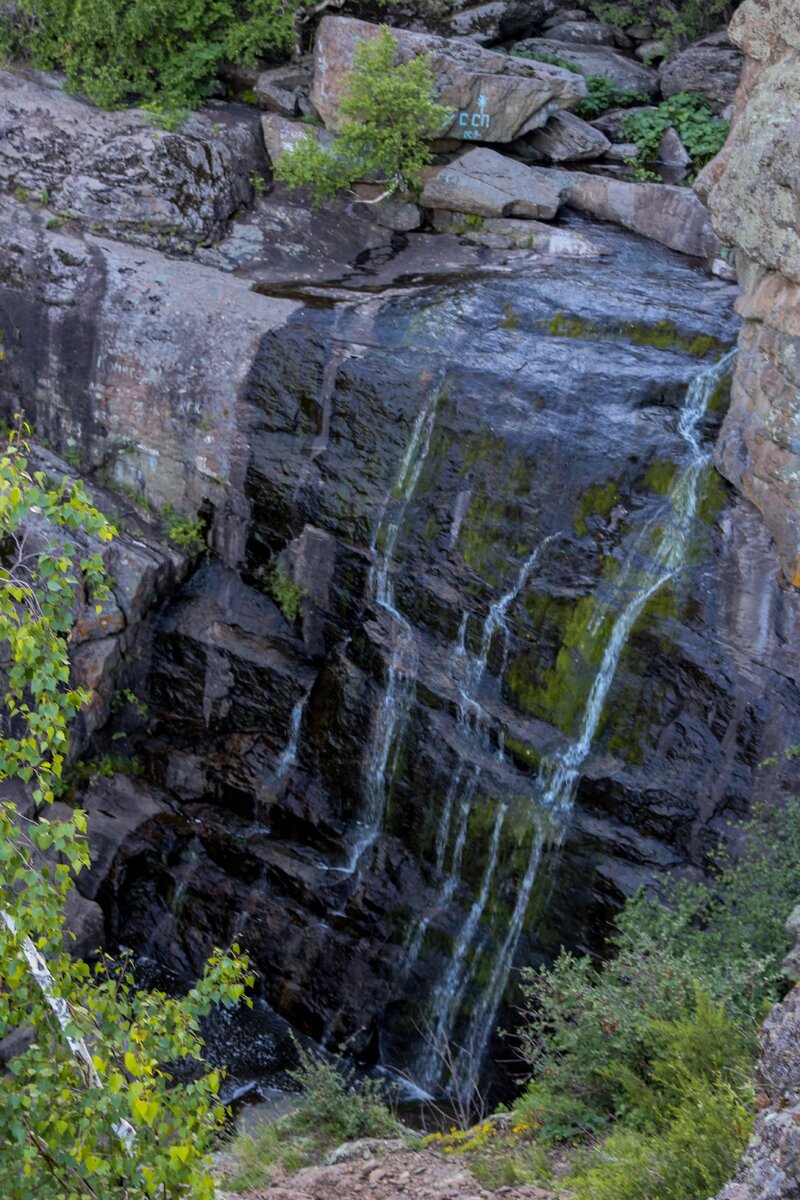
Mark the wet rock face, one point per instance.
(349, 789)
(135, 359)
(118, 172)
(752, 191)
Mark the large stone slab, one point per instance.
(566, 138)
(524, 234)
(497, 20)
(597, 60)
(711, 67)
(139, 359)
(486, 183)
(494, 97)
(119, 173)
(672, 216)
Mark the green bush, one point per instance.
(674, 22)
(161, 55)
(285, 592)
(390, 115)
(603, 94)
(334, 1106)
(188, 533)
(702, 133)
(589, 1032)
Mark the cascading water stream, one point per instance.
(656, 556)
(288, 756)
(402, 665)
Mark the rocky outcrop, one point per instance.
(119, 173)
(770, 1169)
(157, 349)
(625, 72)
(670, 215)
(711, 67)
(494, 97)
(487, 184)
(752, 190)
(566, 138)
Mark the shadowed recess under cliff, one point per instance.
(502, 650)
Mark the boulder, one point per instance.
(711, 66)
(484, 182)
(672, 152)
(651, 51)
(597, 60)
(621, 152)
(285, 89)
(282, 134)
(117, 172)
(610, 123)
(588, 33)
(566, 138)
(497, 20)
(527, 235)
(672, 216)
(494, 97)
(391, 213)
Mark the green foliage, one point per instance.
(334, 1106)
(91, 1108)
(390, 114)
(82, 774)
(702, 133)
(603, 93)
(285, 592)
(163, 56)
(186, 532)
(590, 1032)
(674, 22)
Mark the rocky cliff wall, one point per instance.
(753, 190)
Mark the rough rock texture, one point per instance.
(285, 89)
(598, 60)
(282, 134)
(386, 1171)
(711, 66)
(118, 172)
(770, 1169)
(753, 192)
(498, 19)
(533, 235)
(670, 215)
(583, 33)
(157, 349)
(494, 97)
(485, 183)
(566, 138)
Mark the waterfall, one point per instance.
(401, 667)
(288, 756)
(656, 556)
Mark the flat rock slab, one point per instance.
(597, 60)
(566, 138)
(502, 232)
(494, 97)
(488, 184)
(673, 216)
(119, 173)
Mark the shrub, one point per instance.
(91, 1108)
(674, 22)
(163, 56)
(285, 592)
(334, 1106)
(702, 133)
(588, 1032)
(603, 93)
(390, 114)
(188, 533)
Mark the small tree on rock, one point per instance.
(92, 1108)
(390, 116)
